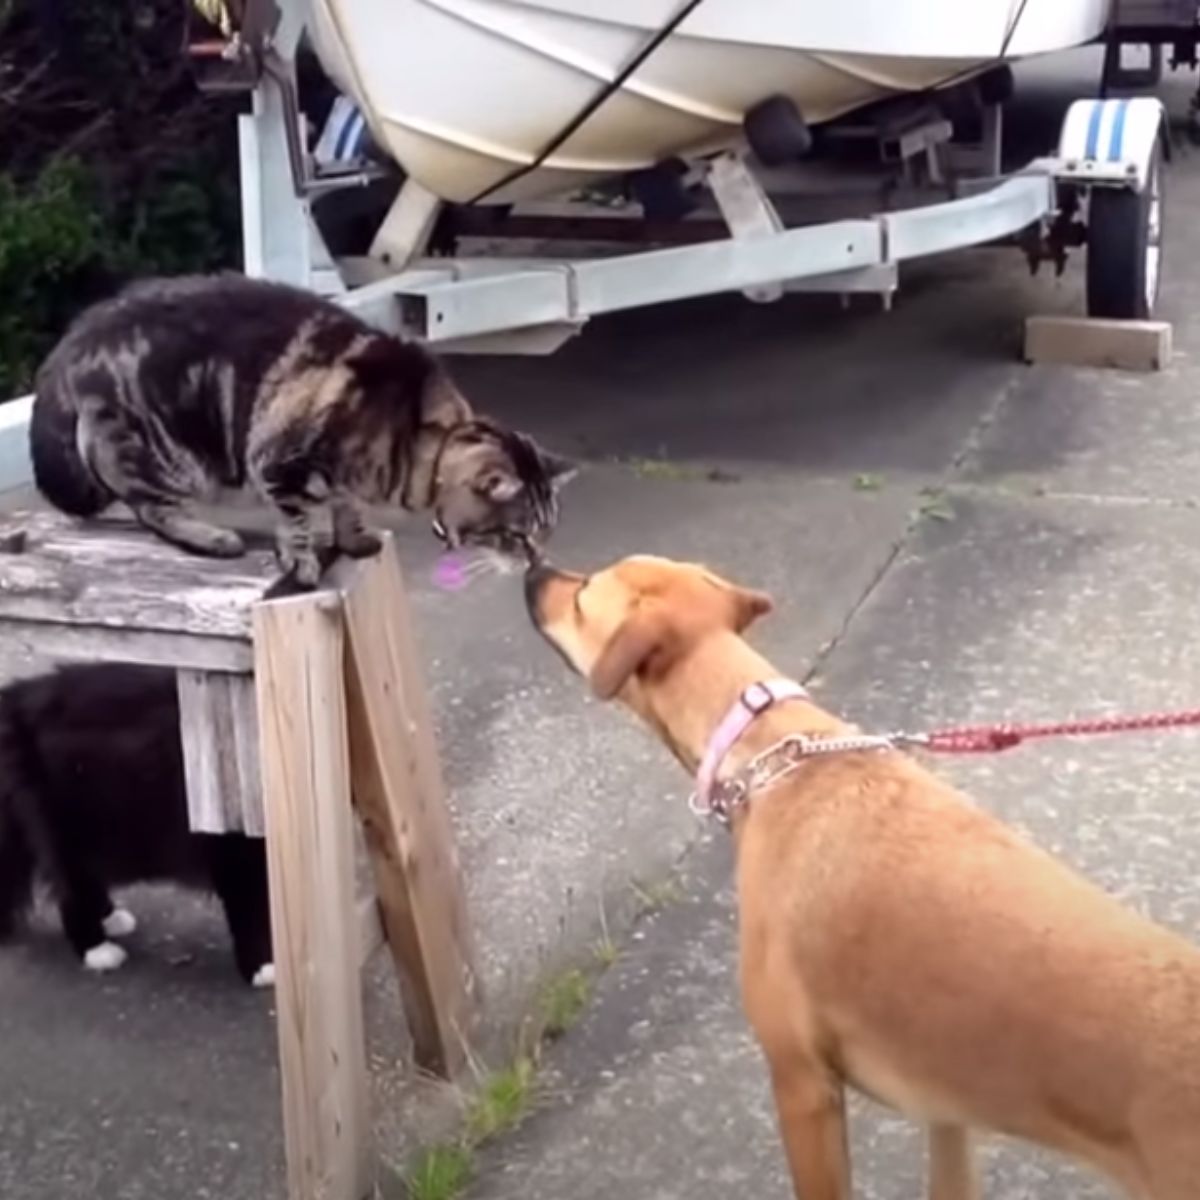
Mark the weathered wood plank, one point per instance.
(299, 647)
(112, 574)
(400, 796)
(94, 643)
(218, 721)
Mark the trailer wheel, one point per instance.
(777, 131)
(1124, 248)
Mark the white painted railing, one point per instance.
(15, 468)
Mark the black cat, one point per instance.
(92, 797)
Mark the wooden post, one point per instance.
(399, 793)
(299, 669)
(218, 721)
(107, 591)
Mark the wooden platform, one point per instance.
(291, 711)
(111, 591)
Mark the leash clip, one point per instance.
(727, 795)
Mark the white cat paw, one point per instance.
(264, 977)
(119, 923)
(107, 956)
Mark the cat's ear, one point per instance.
(559, 470)
(500, 487)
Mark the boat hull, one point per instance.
(463, 94)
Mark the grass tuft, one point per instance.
(440, 1172)
(563, 1001)
(503, 1100)
(652, 897)
(605, 952)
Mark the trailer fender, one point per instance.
(1112, 142)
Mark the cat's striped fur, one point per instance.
(176, 389)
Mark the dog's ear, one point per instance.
(748, 606)
(643, 635)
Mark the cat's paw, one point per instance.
(360, 544)
(264, 977)
(224, 543)
(119, 923)
(288, 584)
(107, 956)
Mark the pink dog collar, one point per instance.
(754, 701)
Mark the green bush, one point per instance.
(62, 246)
(52, 247)
(112, 165)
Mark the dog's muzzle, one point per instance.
(540, 573)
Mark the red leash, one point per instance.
(722, 798)
(986, 739)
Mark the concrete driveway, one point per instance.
(1029, 548)
(949, 536)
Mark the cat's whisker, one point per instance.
(480, 565)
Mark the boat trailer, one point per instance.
(482, 280)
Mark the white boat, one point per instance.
(466, 95)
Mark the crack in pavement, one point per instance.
(967, 453)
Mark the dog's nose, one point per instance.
(537, 574)
(536, 577)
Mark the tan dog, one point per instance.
(893, 936)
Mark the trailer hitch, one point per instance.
(1048, 241)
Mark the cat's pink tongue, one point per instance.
(450, 572)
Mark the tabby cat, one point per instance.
(178, 388)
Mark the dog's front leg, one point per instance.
(952, 1174)
(810, 1104)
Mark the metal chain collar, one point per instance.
(778, 761)
(784, 757)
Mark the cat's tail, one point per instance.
(59, 469)
(18, 862)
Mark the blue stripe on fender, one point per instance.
(1093, 134)
(1118, 131)
(360, 134)
(342, 142)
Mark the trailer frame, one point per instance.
(531, 301)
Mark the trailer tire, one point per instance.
(777, 131)
(1124, 241)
